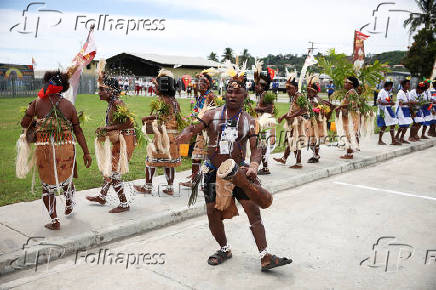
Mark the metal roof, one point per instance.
(175, 60)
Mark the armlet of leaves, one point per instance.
(23, 110)
(83, 118)
(123, 115)
(140, 138)
(269, 98)
(339, 94)
(248, 107)
(182, 122)
(161, 108)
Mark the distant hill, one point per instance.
(391, 57)
(293, 61)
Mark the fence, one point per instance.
(12, 88)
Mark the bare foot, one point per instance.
(346, 156)
(404, 141)
(187, 184)
(68, 208)
(168, 191)
(395, 142)
(142, 189)
(424, 137)
(280, 160)
(54, 225)
(119, 209)
(96, 199)
(296, 166)
(381, 143)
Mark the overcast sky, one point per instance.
(195, 28)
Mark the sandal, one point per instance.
(220, 256)
(313, 160)
(276, 262)
(263, 171)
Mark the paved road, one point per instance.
(328, 227)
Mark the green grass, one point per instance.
(14, 190)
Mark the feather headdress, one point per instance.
(100, 70)
(291, 77)
(210, 71)
(312, 79)
(235, 73)
(165, 73)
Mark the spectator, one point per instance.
(330, 89)
(126, 85)
(275, 87)
(137, 86)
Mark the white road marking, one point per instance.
(386, 190)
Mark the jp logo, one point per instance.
(388, 254)
(30, 24)
(36, 252)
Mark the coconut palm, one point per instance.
(228, 55)
(427, 17)
(244, 56)
(212, 56)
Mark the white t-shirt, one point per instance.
(383, 96)
(402, 96)
(427, 95)
(413, 95)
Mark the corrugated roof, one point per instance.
(176, 60)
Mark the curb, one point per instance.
(42, 253)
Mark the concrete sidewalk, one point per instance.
(92, 225)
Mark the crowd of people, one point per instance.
(231, 140)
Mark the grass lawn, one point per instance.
(14, 190)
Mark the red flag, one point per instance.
(83, 58)
(271, 72)
(361, 36)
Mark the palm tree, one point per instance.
(212, 56)
(427, 17)
(228, 55)
(244, 56)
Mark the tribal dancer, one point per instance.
(120, 133)
(56, 121)
(266, 119)
(416, 99)
(205, 102)
(162, 151)
(386, 116)
(348, 117)
(317, 129)
(403, 111)
(296, 123)
(229, 129)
